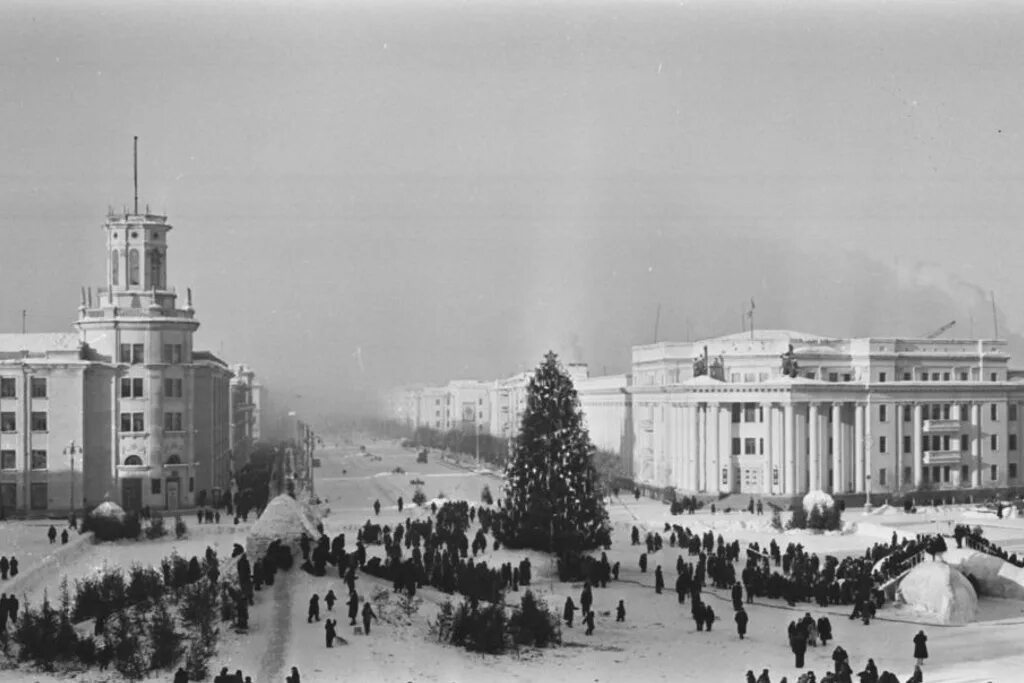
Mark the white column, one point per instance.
(858, 440)
(711, 472)
(975, 445)
(725, 450)
(693, 447)
(702, 445)
(766, 485)
(789, 435)
(837, 448)
(813, 458)
(897, 476)
(918, 444)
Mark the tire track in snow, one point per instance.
(279, 632)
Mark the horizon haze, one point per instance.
(370, 194)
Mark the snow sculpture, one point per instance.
(939, 591)
(108, 510)
(996, 577)
(283, 519)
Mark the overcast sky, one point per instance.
(455, 188)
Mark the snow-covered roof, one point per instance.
(771, 335)
(701, 380)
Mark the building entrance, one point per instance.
(172, 494)
(131, 495)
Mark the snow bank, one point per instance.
(879, 532)
(284, 519)
(818, 499)
(996, 577)
(939, 591)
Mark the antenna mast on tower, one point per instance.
(135, 171)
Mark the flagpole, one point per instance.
(751, 319)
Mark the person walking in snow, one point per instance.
(401, 503)
(659, 580)
(64, 537)
(330, 599)
(353, 607)
(568, 611)
(52, 534)
(741, 622)
(586, 598)
(643, 563)
(376, 507)
(798, 643)
(737, 596)
(920, 648)
(620, 611)
(709, 616)
(589, 620)
(314, 609)
(367, 615)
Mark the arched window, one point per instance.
(133, 267)
(173, 460)
(133, 460)
(156, 267)
(114, 267)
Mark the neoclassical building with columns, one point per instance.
(778, 412)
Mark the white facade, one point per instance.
(860, 415)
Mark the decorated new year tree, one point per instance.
(552, 497)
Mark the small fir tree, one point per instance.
(553, 499)
(164, 636)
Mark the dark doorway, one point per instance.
(131, 494)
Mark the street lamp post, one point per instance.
(478, 445)
(70, 452)
(867, 475)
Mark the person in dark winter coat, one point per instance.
(568, 611)
(615, 571)
(917, 676)
(294, 678)
(330, 599)
(659, 580)
(330, 632)
(376, 507)
(798, 644)
(620, 611)
(314, 609)
(741, 622)
(764, 677)
(14, 566)
(180, 676)
(750, 677)
(737, 596)
(824, 630)
(52, 534)
(401, 503)
(586, 599)
(4, 566)
(709, 616)
(870, 673)
(920, 647)
(367, 615)
(64, 537)
(643, 563)
(353, 608)
(589, 620)
(839, 658)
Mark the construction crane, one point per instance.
(939, 331)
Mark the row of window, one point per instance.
(9, 422)
(937, 474)
(37, 461)
(134, 354)
(8, 388)
(132, 387)
(136, 422)
(39, 493)
(930, 442)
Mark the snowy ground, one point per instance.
(658, 641)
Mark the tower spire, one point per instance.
(135, 171)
